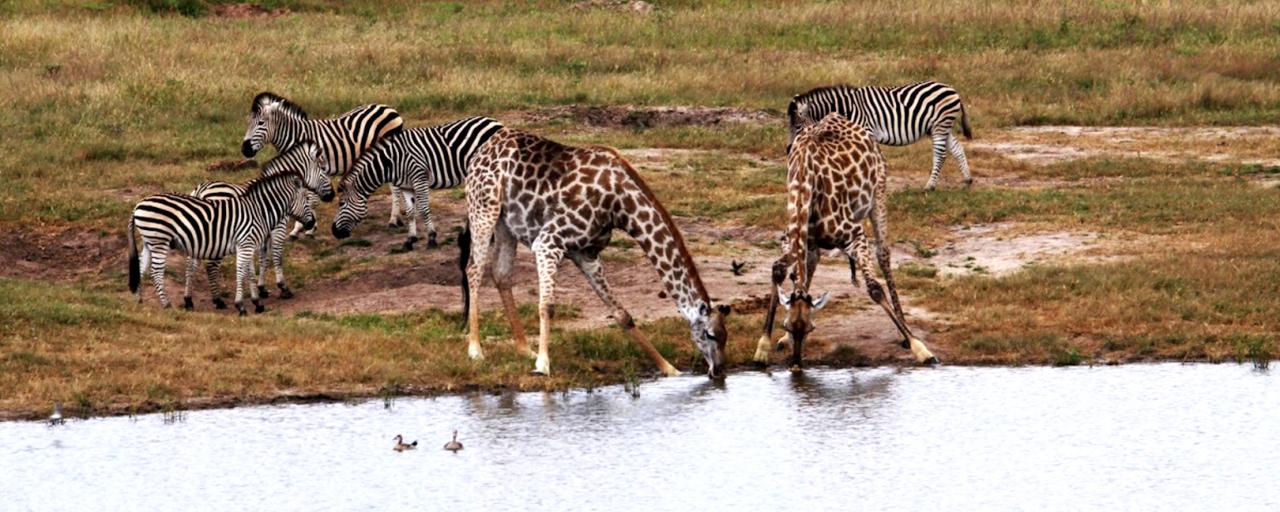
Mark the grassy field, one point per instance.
(106, 102)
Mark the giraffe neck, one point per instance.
(656, 234)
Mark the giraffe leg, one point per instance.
(213, 270)
(503, 263)
(187, 304)
(159, 254)
(940, 136)
(957, 151)
(860, 262)
(591, 267)
(548, 254)
(481, 236)
(779, 274)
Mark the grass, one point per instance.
(109, 101)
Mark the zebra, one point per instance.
(210, 230)
(895, 116)
(304, 158)
(276, 120)
(419, 159)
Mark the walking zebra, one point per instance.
(343, 139)
(304, 158)
(210, 230)
(895, 116)
(419, 159)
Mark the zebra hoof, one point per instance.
(187, 304)
(968, 183)
(431, 241)
(262, 292)
(259, 308)
(395, 224)
(293, 238)
(219, 303)
(408, 244)
(285, 292)
(240, 308)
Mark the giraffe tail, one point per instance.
(464, 257)
(964, 123)
(135, 273)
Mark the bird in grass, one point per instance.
(56, 418)
(453, 445)
(736, 267)
(401, 446)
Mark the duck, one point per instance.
(401, 446)
(56, 418)
(453, 445)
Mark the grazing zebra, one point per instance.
(304, 158)
(896, 116)
(419, 159)
(283, 123)
(210, 230)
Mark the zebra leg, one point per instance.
(261, 272)
(277, 260)
(213, 270)
(940, 138)
(187, 304)
(144, 261)
(958, 152)
(411, 213)
(159, 253)
(426, 218)
(244, 273)
(395, 221)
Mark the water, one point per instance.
(1140, 437)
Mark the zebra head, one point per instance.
(797, 118)
(266, 113)
(300, 208)
(799, 323)
(315, 171)
(352, 207)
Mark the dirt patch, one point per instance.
(64, 254)
(625, 116)
(1043, 145)
(614, 5)
(997, 249)
(232, 165)
(246, 11)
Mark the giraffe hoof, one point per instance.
(187, 304)
(285, 292)
(795, 368)
(219, 303)
(933, 360)
(262, 292)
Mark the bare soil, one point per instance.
(627, 116)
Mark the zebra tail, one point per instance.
(964, 123)
(135, 274)
(464, 257)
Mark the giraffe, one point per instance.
(564, 202)
(835, 180)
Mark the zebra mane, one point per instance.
(263, 181)
(272, 167)
(366, 159)
(266, 97)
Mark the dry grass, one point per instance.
(105, 103)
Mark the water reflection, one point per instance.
(1135, 437)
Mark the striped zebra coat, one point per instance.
(419, 159)
(304, 158)
(210, 230)
(276, 120)
(895, 116)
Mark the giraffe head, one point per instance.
(799, 321)
(709, 335)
